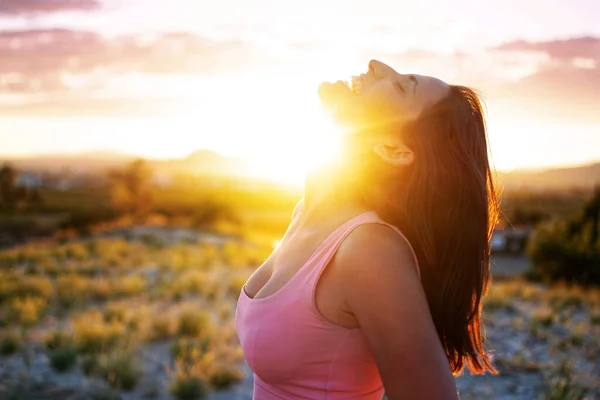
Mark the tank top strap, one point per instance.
(330, 246)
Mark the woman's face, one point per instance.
(382, 96)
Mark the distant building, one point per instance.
(29, 180)
(510, 240)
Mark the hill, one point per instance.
(206, 162)
(577, 177)
(203, 162)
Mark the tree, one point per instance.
(569, 250)
(8, 184)
(131, 187)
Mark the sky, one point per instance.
(165, 78)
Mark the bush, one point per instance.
(71, 290)
(186, 387)
(26, 310)
(194, 323)
(187, 351)
(93, 335)
(28, 286)
(10, 343)
(63, 359)
(114, 314)
(57, 340)
(121, 371)
(90, 365)
(161, 327)
(222, 378)
(569, 251)
(62, 351)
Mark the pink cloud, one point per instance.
(45, 6)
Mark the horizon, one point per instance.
(8, 157)
(89, 75)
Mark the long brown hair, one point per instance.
(446, 204)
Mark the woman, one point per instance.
(377, 283)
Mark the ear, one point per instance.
(396, 155)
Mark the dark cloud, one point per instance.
(582, 47)
(45, 6)
(36, 60)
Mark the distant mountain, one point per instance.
(206, 162)
(203, 162)
(585, 176)
(92, 162)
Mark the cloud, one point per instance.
(38, 60)
(45, 6)
(564, 50)
(77, 106)
(566, 87)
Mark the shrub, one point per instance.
(93, 335)
(10, 343)
(185, 387)
(114, 314)
(58, 339)
(569, 251)
(28, 286)
(62, 351)
(222, 378)
(98, 289)
(63, 359)
(496, 303)
(194, 323)
(71, 289)
(543, 318)
(129, 286)
(90, 365)
(161, 327)
(188, 351)
(120, 371)
(26, 310)
(562, 386)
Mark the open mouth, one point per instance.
(356, 84)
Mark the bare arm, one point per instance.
(381, 287)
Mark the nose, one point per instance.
(381, 70)
(373, 66)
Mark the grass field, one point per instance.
(149, 317)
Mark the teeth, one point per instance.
(357, 84)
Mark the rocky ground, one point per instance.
(545, 341)
(546, 345)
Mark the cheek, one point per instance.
(383, 100)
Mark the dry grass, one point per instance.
(93, 305)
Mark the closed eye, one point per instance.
(399, 87)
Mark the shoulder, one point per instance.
(377, 264)
(378, 247)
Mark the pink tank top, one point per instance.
(294, 352)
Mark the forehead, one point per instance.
(429, 90)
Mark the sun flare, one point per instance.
(276, 124)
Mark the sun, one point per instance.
(277, 124)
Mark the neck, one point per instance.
(327, 195)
